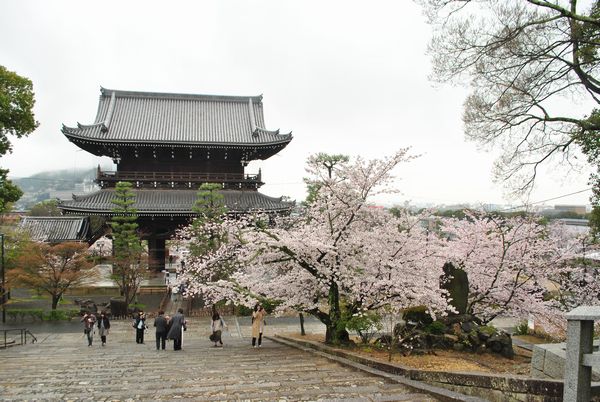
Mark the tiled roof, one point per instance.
(146, 117)
(57, 228)
(173, 202)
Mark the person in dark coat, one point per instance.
(178, 325)
(140, 326)
(103, 326)
(161, 324)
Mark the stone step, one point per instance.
(62, 366)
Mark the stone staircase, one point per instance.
(62, 367)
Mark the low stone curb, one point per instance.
(488, 386)
(440, 393)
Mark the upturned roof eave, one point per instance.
(238, 203)
(167, 213)
(67, 131)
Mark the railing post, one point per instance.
(580, 334)
(3, 280)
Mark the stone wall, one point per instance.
(548, 361)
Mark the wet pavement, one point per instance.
(60, 366)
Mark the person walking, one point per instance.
(258, 324)
(161, 324)
(175, 293)
(217, 326)
(178, 325)
(140, 326)
(103, 326)
(88, 320)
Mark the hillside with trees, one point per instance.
(54, 184)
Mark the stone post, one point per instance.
(579, 358)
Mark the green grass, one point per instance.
(64, 302)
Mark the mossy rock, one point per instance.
(488, 329)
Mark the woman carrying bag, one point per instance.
(217, 326)
(258, 324)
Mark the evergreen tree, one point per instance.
(211, 209)
(128, 267)
(331, 163)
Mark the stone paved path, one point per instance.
(61, 367)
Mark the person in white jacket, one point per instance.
(217, 326)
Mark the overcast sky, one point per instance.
(345, 76)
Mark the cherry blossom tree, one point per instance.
(510, 262)
(338, 258)
(577, 282)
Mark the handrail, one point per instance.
(176, 176)
(23, 333)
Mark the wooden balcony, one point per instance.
(178, 179)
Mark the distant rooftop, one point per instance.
(56, 229)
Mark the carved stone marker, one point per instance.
(456, 282)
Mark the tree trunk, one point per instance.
(127, 296)
(336, 332)
(55, 300)
(302, 332)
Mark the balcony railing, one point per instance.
(178, 179)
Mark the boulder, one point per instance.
(501, 343)
(441, 341)
(468, 326)
(459, 347)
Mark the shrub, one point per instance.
(417, 314)
(436, 328)
(60, 315)
(39, 314)
(33, 313)
(366, 325)
(489, 330)
(137, 306)
(522, 328)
